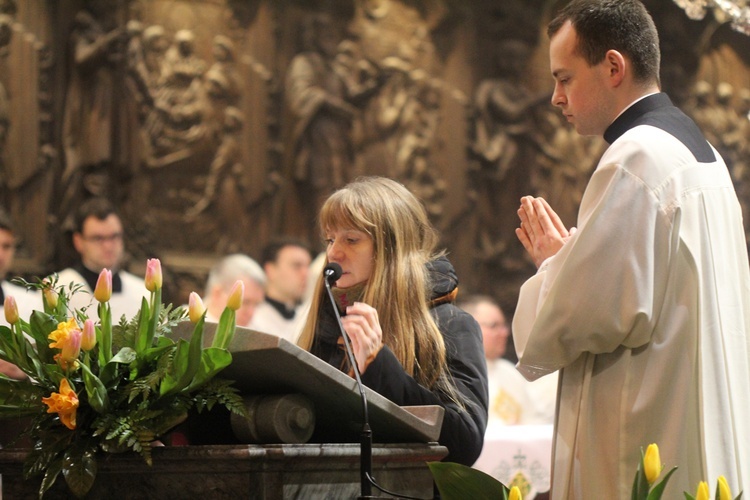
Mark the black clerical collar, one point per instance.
(285, 312)
(91, 278)
(627, 118)
(657, 110)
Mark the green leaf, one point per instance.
(656, 491)
(104, 333)
(459, 482)
(225, 329)
(50, 476)
(41, 325)
(213, 360)
(640, 482)
(19, 398)
(79, 470)
(95, 390)
(179, 365)
(141, 340)
(124, 356)
(186, 362)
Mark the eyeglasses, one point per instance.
(102, 238)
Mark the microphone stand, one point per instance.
(365, 443)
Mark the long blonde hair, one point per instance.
(399, 287)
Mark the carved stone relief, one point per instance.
(27, 156)
(216, 124)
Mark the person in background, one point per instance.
(26, 300)
(513, 399)
(99, 240)
(286, 262)
(645, 308)
(412, 345)
(222, 278)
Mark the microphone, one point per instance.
(332, 273)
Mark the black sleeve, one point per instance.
(463, 428)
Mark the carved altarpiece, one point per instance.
(224, 122)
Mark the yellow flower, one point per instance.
(50, 295)
(103, 290)
(724, 492)
(11, 310)
(236, 295)
(195, 307)
(652, 463)
(88, 338)
(64, 403)
(515, 493)
(702, 493)
(67, 337)
(153, 275)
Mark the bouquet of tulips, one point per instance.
(649, 470)
(97, 387)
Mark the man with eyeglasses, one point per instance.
(98, 239)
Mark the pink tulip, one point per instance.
(153, 275)
(72, 348)
(195, 307)
(103, 290)
(88, 339)
(236, 295)
(11, 310)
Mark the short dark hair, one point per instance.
(100, 208)
(6, 222)
(275, 245)
(621, 25)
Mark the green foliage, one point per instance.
(458, 482)
(136, 384)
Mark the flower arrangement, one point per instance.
(456, 481)
(649, 470)
(98, 387)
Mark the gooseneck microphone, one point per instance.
(332, 273)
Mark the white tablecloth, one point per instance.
(518, 455)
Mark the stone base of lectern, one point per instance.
(302, 471)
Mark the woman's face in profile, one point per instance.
(354, 251)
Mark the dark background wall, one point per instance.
(216, 124)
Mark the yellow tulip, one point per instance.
(11, 310)
(702, 493)
(652, 463)
(64, 403)
(50, 295)
(724, 492)
(195, 307)
(515, 493)
(153, 275)
(236, 295)
(103, 290)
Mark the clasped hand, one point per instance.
(542, 233)
(362, 325)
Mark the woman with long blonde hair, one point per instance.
(395, 297)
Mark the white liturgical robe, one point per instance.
(646, 312)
